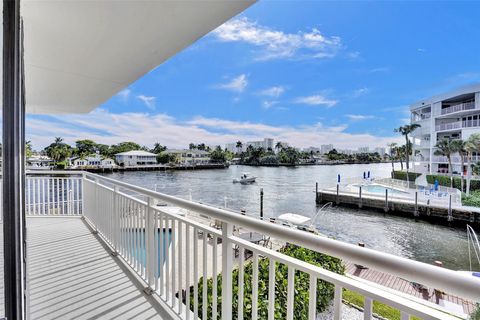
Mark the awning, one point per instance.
(78, 54)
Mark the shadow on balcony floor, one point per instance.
(73, 276)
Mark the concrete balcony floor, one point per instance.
(72, 275)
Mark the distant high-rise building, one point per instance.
(266, 144)
(363, 149)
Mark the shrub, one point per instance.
(472, 200)
(325, 290)
(476, 313)
(402, 175)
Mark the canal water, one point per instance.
(293, 190)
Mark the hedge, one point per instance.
(325, 290)
(402, 175)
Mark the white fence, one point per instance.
(166, 250)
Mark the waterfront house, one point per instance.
(36, 162)
(190, 157)
(100, 248)
(136, 158)
(451, 115)
(93, 161)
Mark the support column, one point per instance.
(13, 142)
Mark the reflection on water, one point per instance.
(293, 190)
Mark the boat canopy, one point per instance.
(78, 54)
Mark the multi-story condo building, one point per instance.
(380, 150)
(452, 115)
(266, 144)
(363, 149)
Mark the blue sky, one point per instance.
(308, 73)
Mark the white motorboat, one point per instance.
(245, 178)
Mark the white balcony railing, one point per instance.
(459, 107)
(455, 159)
(164, 249)
(448, 126)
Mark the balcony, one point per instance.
(459, 107)
(101, 248)
(448, 126)
(421, 117)
(454, 159)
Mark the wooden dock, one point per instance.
(402, 206)
(409, 288)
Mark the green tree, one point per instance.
(85, 147)
(459, 147)
(471, 145)
(158, 148)
(28, 149)
(392, 146)
(218, 155)
(124, 147)
(103, 149)
(239, 146)
(446, 147)
(164, 158)
(192, 146)
(405, 131)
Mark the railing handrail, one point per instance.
(436, 277)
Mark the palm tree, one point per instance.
(459, 147)
(239, 146)
(58, 140)
(405, 131)
(278, 146)
(392, 146)
(471, 145)
(446, 147)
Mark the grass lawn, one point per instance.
(381, 309)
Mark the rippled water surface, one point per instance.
(293, 190)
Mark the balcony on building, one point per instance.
(458, 105)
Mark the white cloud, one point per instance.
(275, 44)
(124, 94)
(359, 117)
(149, 101)
(146, 129)
(360, 92)
(316, 100)
(237, 84)
(275, 91)
(267, 104)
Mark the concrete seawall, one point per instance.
(404, 208)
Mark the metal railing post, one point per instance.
(83, 194)
(386, 200)
(116, 220)
(150, 246)
(96, 214)
(227, 266)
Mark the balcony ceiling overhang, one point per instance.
(78, 54)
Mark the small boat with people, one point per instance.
(245, 178)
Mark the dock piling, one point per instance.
(415, 212)
(450, 216)
(338, 190)
(386, 200)
(360, 197)
(261, 203)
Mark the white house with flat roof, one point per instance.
(136, 158)
(91, 161)
(190, 157)
(452, 115)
